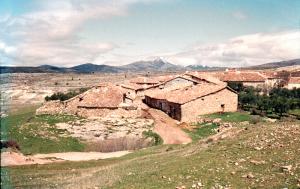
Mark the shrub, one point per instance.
(156, 138)
(10, 144)
(65, 96)
(254, 120)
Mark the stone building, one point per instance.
(103, 100)
(294, 82)
(248, 78)
(185, 104)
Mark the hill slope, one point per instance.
(242, 160)
(277, 64)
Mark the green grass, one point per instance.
(295, 112)
(157, 140)
(202, 130)
(38, 134)
(231, 116)
(223, 163)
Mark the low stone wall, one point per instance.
(51, 108)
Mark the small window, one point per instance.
(222, 105)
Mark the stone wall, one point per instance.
(209, 104)
(51, 108)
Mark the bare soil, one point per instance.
(167, 128)
(11, 158)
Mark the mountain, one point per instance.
(49, 68)
(280, 64)
(89, 68)
(157, 65)
(152, 66)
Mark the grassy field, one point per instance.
(232, 116)
(295, 112)
(202, 130)
(255, 158)
(37, 134)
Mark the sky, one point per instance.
(230, 33)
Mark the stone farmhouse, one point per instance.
(100, 101)
(185, 104)
(266, 80)
(136, 88)
(182, 97)
(293, 82)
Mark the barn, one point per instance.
(185, 104)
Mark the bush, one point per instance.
(254, 120)
(65, 96)
(156, 138)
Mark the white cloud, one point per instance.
(243, 51)
(50, 35)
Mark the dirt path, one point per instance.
(11, 158)
(167, 128)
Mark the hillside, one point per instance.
(243, 161)
(261, 155)
(273, 65)
(89, 68)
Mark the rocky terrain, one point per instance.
(95, 130)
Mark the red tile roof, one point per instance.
(294, 80)
(204, 77)
(241, 76)
(184, 95)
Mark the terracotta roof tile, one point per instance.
(295, 80)
(204, 76)
(241, 76)
(184, 95)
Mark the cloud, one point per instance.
(243, 51)
(50, 34)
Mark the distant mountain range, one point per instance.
(273, 65)
(157, 65)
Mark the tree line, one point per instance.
(277, 101)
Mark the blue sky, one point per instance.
(215, 33)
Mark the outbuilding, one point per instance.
(186, 104)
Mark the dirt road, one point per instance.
(167, 128)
